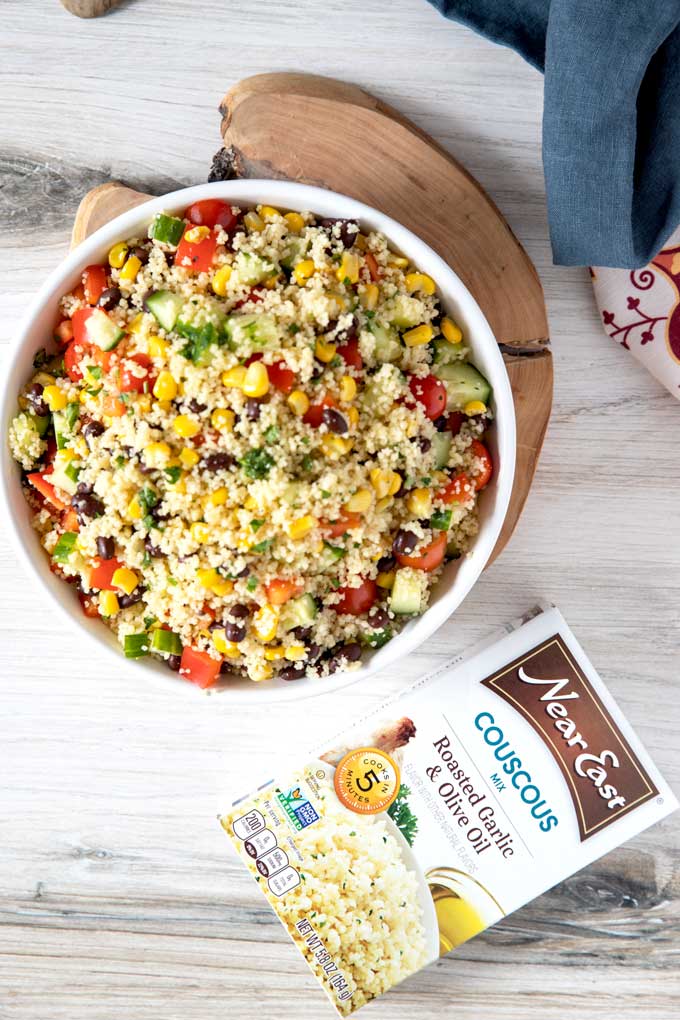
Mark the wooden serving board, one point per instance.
(334, 135)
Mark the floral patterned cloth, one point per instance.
(641, 311)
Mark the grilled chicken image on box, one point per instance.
(390, 737)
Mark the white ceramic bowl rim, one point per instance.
(448, 594)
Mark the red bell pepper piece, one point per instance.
(39, 482)
(198, 667)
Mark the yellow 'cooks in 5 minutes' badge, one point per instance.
(367, 780)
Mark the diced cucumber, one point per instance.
(406, 312)
(441, 448)
(252, 269)
(103, 331)
(441, 520)
(65, 545)
(39, 423)
(63, 422)
(166, 641)
(299, 612)
(408, 591)
(387, 344)
(167, 229)
(61, 480)
(72, 470)
(444, 353)
(248, 333)
(291, 493)
(377, 638)
(294, 251)
(330, 554)
(136, 645)
(463, 383)
(165, 307)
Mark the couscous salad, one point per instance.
(257, 443)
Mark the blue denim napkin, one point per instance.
(611, 122)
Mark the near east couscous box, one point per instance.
(476, 790)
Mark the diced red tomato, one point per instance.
(197, 257)
(212, 212)
(102, 573)
(41, 483)
(344, 523)
(206, 610)
(483, 477)
(89, 605)
(253, 357)
(430, 392)
(314, 416)
(72, 356)
(454, 422)
(428, 558)
(105, 358)
(356, 601)
(373, 267)
(280, 590)
(130, 381)
(50, 452)
(350, 354)
(254, 294)
(69, 520)
(94, 283)
(281, 377)
(113, 406)
(458, 490)
(79, 320)
(198, 667)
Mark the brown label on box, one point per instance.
(605, 778)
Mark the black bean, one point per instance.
(157, 514)
(234, 631)
(348, 230)
(441, 423)
(334, 420)
(152, 549)
(350, 332)
(313, 651)
(386, 563)
(105, 548)
(196, 406)
(239, 611)
(351, 652)
(253, 409)
(423, 442)
(217, 461)
(132, 599)
(141, 252)
(292, 673)
(226, 667)
(86, 506)
(92, 429)
(109, 298)
(83, 487)
(302, 633)
(244, 573)
(173, 662)
(35, 399)
(379, 619)
(404, 542)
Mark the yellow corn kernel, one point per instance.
(440, 477)
(260, 671)
(156, 454)
(385, 579)
(298, 402)
(395, 483)
(165, 405)
(271, 282)
(250, 503)
(188, 457)
(157, 348)
(369, 297)
(165, 387)
(274, 653)
(219, 497)
(137, 324)
(398, 260)
(302, 526)
(334, 446)
(359, 502)
(353, 417)
(253, 222)
(385, 483)
(222, 419)
(295, 222)
(318, 548)
(268, 212)
(338, 304)
(450, 331)
(80, 446)
(134, 510)
(207, 576)
(360, 241)
(256, 380)
(126, 579)
(265, 623)
(131, 268)
(303, 271)
(143, 403)
(194, 235)
(475, 407)
(108, 603)
(348, 388)
(88, 378)
(234, 376)
(180, 486)
(222, 587)
(200, 532)
(294, 653)
(63, 457)
(220, 280)
(56, 398)
(117, 255)
(418, 336)
(419, 502)
(384, 504)
(348, 268)
(224, 647)
(185, 426)
(324, 350)
(421, 282)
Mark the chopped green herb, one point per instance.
(120, 461)
(441, 520)
(252, 583)
(148, 620)
(425, 481)
(172, 474)
(325, 494)
(95, 371)
(307, 462)
(336, 361)
(272, 434)
(256, 524)
(263, 546)
(293, 328)
(172, 580)
(257, 463)
(64, 547)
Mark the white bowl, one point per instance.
(458, 577)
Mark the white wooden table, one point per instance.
(118, 894)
